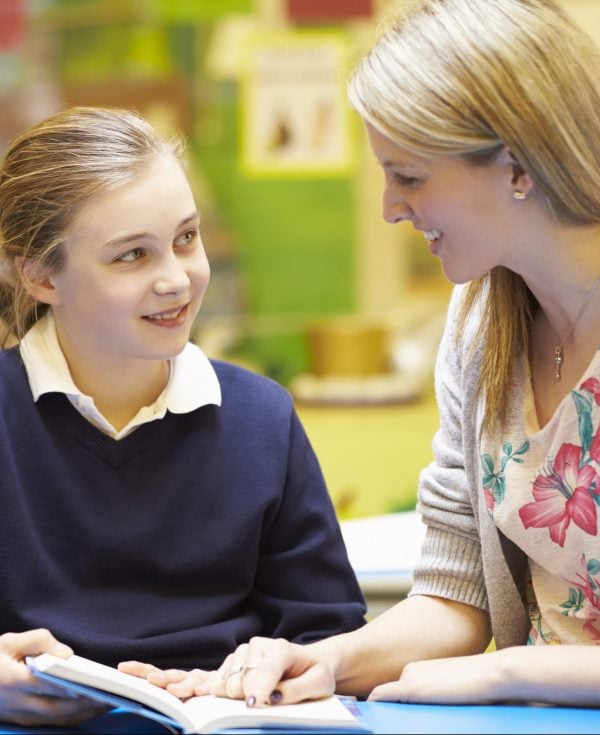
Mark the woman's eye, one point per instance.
(130, 256)
(187, 238)
(410, 181)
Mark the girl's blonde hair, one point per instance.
(47, 173)
(466, 77)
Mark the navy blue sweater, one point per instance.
(176, 543)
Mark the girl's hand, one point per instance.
(182, 684)
(26, 700)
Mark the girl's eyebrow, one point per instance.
(124, 239)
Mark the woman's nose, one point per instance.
(395, 209)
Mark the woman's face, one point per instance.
(135, 271)
(466, 212)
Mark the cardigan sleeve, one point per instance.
(450, 563)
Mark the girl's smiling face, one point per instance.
(465, 211)
(135, 271)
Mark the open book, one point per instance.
(197, 714)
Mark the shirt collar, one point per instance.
(192, 383)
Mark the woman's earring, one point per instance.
(518, 194)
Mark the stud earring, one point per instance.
(518, 194)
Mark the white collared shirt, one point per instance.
(192, 380)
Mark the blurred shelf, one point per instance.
(371, 390)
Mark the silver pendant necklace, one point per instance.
(558, 350)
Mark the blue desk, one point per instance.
(387, 717)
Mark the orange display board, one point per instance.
(12, 24)
(310, 11)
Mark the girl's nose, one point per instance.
(172, 277)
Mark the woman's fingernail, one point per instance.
(251, 701)
(276, 696)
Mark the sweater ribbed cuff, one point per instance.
(450, 567)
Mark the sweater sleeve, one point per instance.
(450, 563)
(305, 588)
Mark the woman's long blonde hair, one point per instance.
(464, 78)
(46, 174)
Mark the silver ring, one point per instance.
(239, 669)
(233, 670)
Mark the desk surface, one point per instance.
(387, 717)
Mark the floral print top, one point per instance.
(542, 489)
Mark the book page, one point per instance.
(196, 715)
(93, 674)
(209, 713)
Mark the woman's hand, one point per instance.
(267, 671)
(182, 684)
(28, 701)
(462, 680)
(263, 671)
(565, 675)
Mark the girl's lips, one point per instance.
(172, 318)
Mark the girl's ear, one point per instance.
(36, 280)
(520, 179)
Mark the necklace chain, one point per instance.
(558, 350)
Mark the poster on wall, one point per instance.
(295, 120)
(313, 11)
(12, 24)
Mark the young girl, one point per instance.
(485, 118)
(155, 505)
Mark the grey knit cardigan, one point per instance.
(464, 557)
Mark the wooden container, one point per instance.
(348, 346)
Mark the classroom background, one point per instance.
(309, 285)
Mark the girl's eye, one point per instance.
(187, 238)
(130, 256)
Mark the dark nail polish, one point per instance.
(276, 696)
(251, 701)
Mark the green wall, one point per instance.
(294, 238)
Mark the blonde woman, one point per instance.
(485, 118)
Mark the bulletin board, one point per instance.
(295, 119)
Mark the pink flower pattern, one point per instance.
(566, 493)
(595, 447)
(592, 385)
(569, 489)
(588, 599)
